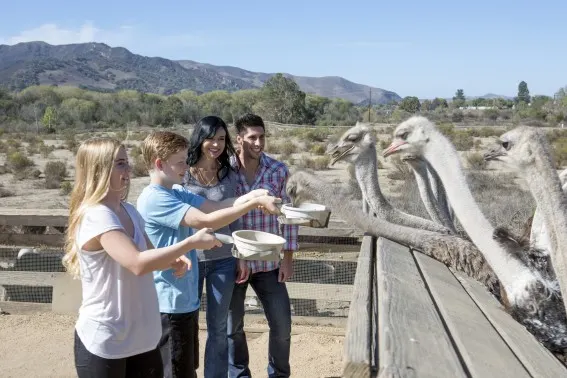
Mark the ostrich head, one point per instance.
(297, 187)
(514, 148)
(352, 144)
(410, 137)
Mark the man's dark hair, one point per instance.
(248, 120)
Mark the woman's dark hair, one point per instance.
(206, 128)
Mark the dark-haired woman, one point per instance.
(212, 176)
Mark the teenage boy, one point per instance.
(170, 212)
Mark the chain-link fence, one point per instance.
(324, 269)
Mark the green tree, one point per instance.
(316, 107)
(410, 104)
(459, 99)
(439, 103)
(243, 101)
(282, 100)
(171, 111)
(523, 93)
(49, 119)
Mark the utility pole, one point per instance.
(369, 104)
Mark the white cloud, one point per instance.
(88, 32)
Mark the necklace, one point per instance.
(201, 177)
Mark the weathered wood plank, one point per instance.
(33, 217)
(27, 278)
(539, 361)
(21, 308)
(59, 217)
(297, 290)
(480, 346)
(302, 290)
(306, 235)
(357, 345)
(412, 338)
(51, 240)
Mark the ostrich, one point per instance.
(539, 238)
(453, 251)
(431, 191)
(526, 150)
(358, 146)
(530, 290)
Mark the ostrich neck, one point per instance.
(326, 193)
(444, 159)
(546, 189)
(366, 171)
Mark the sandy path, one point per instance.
(41, 345)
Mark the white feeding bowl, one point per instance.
(257, 245)
(312, 213)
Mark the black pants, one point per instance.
(179, 344)
(141, 365)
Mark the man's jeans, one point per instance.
(220, 276)
(275, 300)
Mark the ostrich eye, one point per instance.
(404, 136)
(352, 138)
(506, 145)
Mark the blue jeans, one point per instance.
(275, 300)
(220, 275)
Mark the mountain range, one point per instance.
(97, 66)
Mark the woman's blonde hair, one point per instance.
(93, 166)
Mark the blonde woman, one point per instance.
(119, 326)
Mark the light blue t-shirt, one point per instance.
(163, 210)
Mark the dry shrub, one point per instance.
(501, 199)
(462, 140)
(13, 143)
(55, 173)
(139, 168)
(28, 173)
(316, 135)
(135, 151)
(66, 188)
(318, 149)
(71, 142)
(17, 161)
(402, 171)
(559, 151)
(318, 163)
(285, 147)
(5, 192)
(476, 161)
(45, 150)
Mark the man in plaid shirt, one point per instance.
(267, 278)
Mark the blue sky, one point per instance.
(414, 48)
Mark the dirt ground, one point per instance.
(41, 345)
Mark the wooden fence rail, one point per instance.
(411, 316)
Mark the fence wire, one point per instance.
(324, 269)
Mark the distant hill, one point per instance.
(490, 96)
(101, 67)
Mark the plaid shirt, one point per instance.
(271, 175)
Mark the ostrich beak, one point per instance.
(494, 154)
(338, 152)
(409, 157)
(394, 147)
